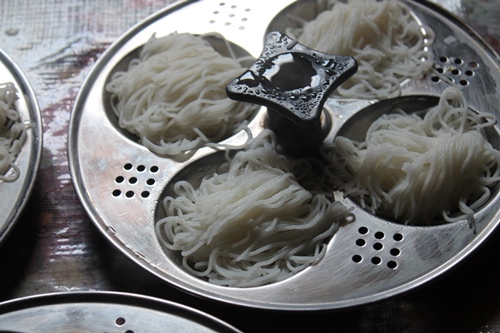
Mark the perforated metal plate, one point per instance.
(14, 195)
(120, 182)
(103, 312)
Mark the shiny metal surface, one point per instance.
(103, 312)
(410, 256)
(14, 195)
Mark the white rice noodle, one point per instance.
(12, 133)
(417, 169)
(173, 96)
(252, 225)
(389, 45)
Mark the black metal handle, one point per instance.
(293, 82)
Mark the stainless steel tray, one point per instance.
(103, 312)
(366, 261)
(14, 195)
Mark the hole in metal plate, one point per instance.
(135, 180)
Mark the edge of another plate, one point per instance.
(28, 159)
(92, 311)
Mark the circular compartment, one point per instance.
(368, 46)
(355, 130)
(224, 47)
(283, 221)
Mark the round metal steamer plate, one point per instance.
(14, 195)
(103, 312)
(368, 260)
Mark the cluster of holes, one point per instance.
(120, 321)
(130, 180)
(456, 70)
(378, 246)
(227, 14)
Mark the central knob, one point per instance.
(293, 82)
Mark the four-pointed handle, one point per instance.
(293, 82)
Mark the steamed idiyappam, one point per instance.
(421, 170)
(173, 95)
(253, 224)
(12, 132)
(388, 43)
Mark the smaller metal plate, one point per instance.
(14, 195)
(103, 312)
